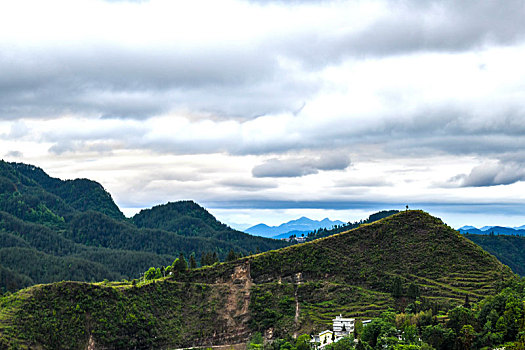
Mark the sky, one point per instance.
(265, 111)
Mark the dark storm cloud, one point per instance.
(297, 167)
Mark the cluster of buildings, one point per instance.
(300, 239)
(342, 327)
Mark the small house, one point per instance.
(343, 326)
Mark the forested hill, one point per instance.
(73, 230)
(80, 194)
(510, 250)
(408, 261)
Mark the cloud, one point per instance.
(363, 182)
(491, 174)
(14, 154)
(247, 184)
(247, 59)
(297, 167)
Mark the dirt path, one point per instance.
(298, 281)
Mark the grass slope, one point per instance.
(294, 289)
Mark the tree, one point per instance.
(150, 274)
(344, 343)
(303, 342)
(466, 336)
(358, 329)
(413, 291)
(193, 263)
(231, 255)
(256, 342)
(371, 332)
(439, 337)
(397, 288)
(467, 302)
(459, 317)
(180, 264)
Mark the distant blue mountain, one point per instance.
(299, 226)
(497, 230)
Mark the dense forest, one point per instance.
(53, 230)
(510, 250)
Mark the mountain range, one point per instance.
(53, 230)
(391, 263)
(300, 226)
(496, 230)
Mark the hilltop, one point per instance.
(73, 230)
(298, 289)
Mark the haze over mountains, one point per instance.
(497, 230)
(299, 226)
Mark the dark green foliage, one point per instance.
(413, 291)
(67, 315)
(46, 268)
(11, 281)
(231, 255)
(81, 194)
(209, 258)
(180, 264)
(397, 287)
(510, 250)
(192, 262)
(187, 218)
(76, 220)
(272, 305)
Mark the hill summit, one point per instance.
(298, 289)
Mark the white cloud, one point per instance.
(239, 100)
(491, 174)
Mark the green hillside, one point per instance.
(406, 260)
(510, 250)
(72, 230)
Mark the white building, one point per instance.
(343, 326)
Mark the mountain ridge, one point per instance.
(77, 223)
(300, 225)
(497, 230)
